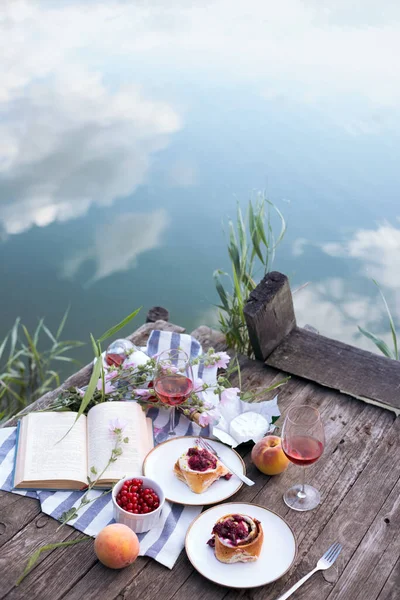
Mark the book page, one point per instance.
(101, 440)
(45, 456)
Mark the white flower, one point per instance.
(198, 385)
(116, 426)
(229, 395)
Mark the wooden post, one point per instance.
(157, 313)
(269, 314)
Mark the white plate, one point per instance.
(159, 465)
(277, 554)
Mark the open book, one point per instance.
(43, 461)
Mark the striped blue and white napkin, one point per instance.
(163, 543)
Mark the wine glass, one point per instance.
(303, 442)
(173, 381)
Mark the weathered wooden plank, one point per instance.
(95, 574)
(15, 513)
(333, 484)
(345, 417)
(56, 576)
(269, 314)
(15, 553)
(351, 437)
(156, 582)
(377, 422)
(57, 571)
(350, 522)
(375, 557)
(81, 378)
(391, 589)
(339, 366)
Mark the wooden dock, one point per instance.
(358, 477)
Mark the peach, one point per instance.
(116, 546)
(268, 455)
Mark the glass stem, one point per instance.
(302, 493)
(172, 421)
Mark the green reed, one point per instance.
(379, 343)
(251, 246)
(28, 364)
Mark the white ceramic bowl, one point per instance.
(138, 523)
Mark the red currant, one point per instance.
(135, 498)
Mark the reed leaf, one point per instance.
(241, 235)
(379, 343)
(392, 327)
(220, 289)
(94, 346)
(37, 332)
(233, 250)
(62, 323)
(4, 344)
(34, 350)
(254, 234)
(49, 334)
(68, 359)
(113, 330)
(91, 387)
(36, 555)
(14, 337)
(12, 392)
(283, 223)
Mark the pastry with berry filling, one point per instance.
(198, 468)
(237, 538)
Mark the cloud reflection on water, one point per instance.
(377, 249)
(335, 306)
(80, 144)
(118, 243)
(67, 139)
(336, 311)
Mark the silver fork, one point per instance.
(324, 562)
(204, 444)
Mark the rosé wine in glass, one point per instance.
(173, 381)
(303, 441)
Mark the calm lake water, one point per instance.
(129, 130)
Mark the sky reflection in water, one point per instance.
(127, 133)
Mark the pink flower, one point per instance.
(169, 369)
(204, 419)
(208, 405)
(129, 363)
(108, 387)
(208, 418)
(222, 360)
(145, 394)
(111, 375)
(116, 426)
(229, 395)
